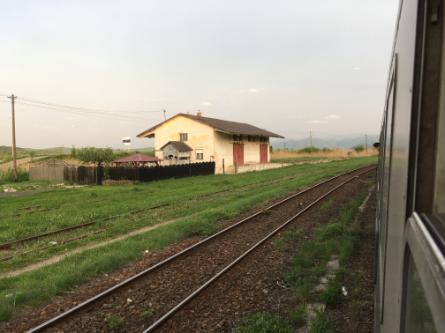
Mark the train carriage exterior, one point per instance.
(410, 228)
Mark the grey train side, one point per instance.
(410, 224)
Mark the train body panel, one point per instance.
(410, 283)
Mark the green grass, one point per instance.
(8, 176)
(332, 294)
(298, 316)
(197, 201)
(110, 205)
(114, 322)
(264, 323)
(58, 152)
(338, 237)
(294, 159)
(321, 324)
(5, 152)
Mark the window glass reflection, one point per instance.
(418, 317)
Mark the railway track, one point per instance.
(12, 244)
(21, 241)
(248, 234)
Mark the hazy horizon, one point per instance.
(286, 66)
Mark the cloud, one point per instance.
(316, 121)
(206, 103)
(333, 116)
(356, 68)
(249, 91)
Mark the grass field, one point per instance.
(297, 156)
(198, 204)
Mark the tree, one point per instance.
(358, 148)
(73, 152)
(95, 155)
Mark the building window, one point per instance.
(199, 155)
(183, 137)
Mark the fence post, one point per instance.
(99, 174)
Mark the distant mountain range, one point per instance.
(334, 142)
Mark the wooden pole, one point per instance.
(14, 149)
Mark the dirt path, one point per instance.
(58, 258)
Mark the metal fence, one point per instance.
(82, 175)
(146, 174)
(95, 175)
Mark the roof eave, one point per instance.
(146, 134)
(270, 135)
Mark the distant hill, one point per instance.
(5, 152)
(338, 142)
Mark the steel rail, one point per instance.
(112, 289)
(62, 242)
(10, 244)
(194, 294)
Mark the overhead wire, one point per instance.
(32, 100)
(83, 111)
(86, 113)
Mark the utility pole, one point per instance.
(165, 117)
(14, 154)
(310, 138)
(366, 142)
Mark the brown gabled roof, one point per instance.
(179, 146)
(230, 127)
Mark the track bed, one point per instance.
(140, 303)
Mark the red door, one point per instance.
(263, 153)
(238, 154)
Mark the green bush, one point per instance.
(96, 155)
(358, 148)
(309, 150)
(8, 176)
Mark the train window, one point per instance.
(418, 317)
(424, 275)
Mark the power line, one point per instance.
(35, 101)
(103, 115)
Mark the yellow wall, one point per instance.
(215, 145)
(200, 136)
(224, 150)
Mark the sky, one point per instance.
(288, 66)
